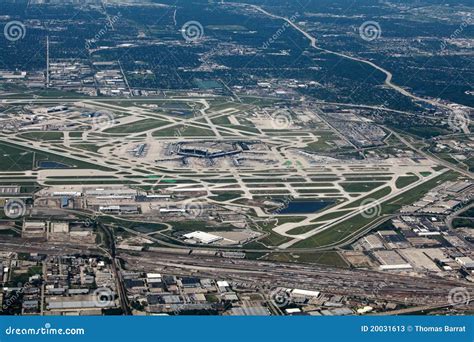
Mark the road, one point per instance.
(450, 218)
(115, 265)
(431, 157)
(388, 75)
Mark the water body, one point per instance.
(304, 207)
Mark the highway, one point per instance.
(115, 264)
(388, 75)
(450, 218)
(388, 82)
(431, 157)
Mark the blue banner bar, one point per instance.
(238, 329)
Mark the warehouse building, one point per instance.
(201, 237)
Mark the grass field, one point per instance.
(271, 239)
(323, 143)
(136, 127)
(87, 147)
(185, 131)
(344, 230)
(303, 229)
(404, 181)
(43, 136)
(360, 187)
(463, 223)
(331, 216)
(225, 196)
(16, 158)
(376, 195)
(321, 258)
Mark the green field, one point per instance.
(320, 258)
(185, 131)
(331, 216)
(361, 187)
(16, 158)
(376, 195)
(404, 181)
(324, 142)
(87, 147)
(225, 196)
(43, 136)
(271, 238)
(346, 229)
(303, 229)
(136, 127)
(463, 223)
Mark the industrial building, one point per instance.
(111, 193)
(466, 262)
(391, 260)
(201, 237)
(34, 229)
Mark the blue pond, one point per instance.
(303, 207)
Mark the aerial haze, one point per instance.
(268, 158)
